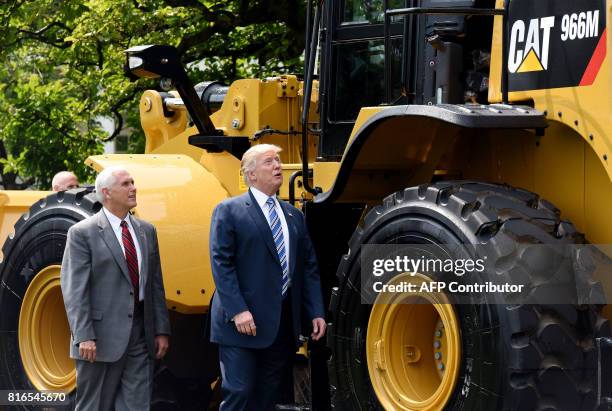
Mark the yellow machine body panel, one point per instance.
(572, 163)
(13, 204)
(560, 166)
(324, 174)
(224, 166)
(178, 196)
(586, 107)
(251, 105)
(159, 128)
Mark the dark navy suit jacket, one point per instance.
(247, 272)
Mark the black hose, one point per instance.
(307, 37)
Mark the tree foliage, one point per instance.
(63, 68)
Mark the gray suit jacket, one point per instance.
(98, 292)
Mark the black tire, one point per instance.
(38, 242)
(514, 357)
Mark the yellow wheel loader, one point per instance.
(430, 122)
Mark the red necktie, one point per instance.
(131, 257)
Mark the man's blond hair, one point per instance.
(249, 159)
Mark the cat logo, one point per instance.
(555, 43)
(529, 47)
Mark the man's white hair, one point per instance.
(249, 159)
(60, 176)
(106, 179)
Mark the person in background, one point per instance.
(64, 180)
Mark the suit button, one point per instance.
(129, 315)
(131, 292)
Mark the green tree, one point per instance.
(63, 68)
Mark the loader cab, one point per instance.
(353, 66)
(422, 62)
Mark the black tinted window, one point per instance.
(361, 11)
(360, 76)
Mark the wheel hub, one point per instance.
(413, 348)
(44, 334)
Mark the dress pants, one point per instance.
(251, 379)
(122, 385)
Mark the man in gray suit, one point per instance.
(114, 296)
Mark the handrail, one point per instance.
(308, 81)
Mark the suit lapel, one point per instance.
(106, 231)
(262, 223)
(142, 243)
(292, 235)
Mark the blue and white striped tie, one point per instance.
(279, 242)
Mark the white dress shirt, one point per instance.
(261, 200)
(115, 223)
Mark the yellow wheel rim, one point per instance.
(44, 335)
(413, 348)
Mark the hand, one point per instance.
(245, 323)
(87, 350)
(318, 328)
(161, 346)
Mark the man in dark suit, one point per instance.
(114, 296)
(267, 279)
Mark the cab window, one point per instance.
(371, 11)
